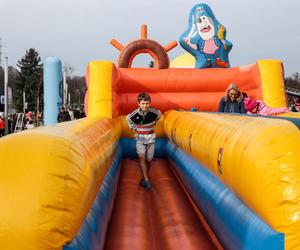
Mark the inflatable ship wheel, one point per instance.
(158, 53)
(143, 45)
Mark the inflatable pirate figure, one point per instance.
(205, 39)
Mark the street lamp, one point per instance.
(6, 95)
(67, 72)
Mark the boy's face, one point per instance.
(144, 105)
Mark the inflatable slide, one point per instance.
(220, 181)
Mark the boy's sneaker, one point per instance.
(142, 182)
(145, 184)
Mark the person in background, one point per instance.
(63, 115)
(2, 126)
(259, 107)
(297, 103)
(82, 113)
(12, 118)
(293, 108)
(143, 120)
(29, 120)
(76, 113)
(71, 113)
(233, 101)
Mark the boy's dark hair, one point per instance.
(143, 97)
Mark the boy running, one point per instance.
(143, 121)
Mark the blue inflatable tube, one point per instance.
(235, 225)
(52, 89)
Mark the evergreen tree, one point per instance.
(293, 81)
(30, 81)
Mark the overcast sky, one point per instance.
(79, 31)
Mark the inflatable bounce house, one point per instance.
(220, 181)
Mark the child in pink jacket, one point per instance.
(260, 108)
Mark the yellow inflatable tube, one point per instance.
(49, 178)
(257, 157)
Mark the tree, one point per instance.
(77, 89)
(30, 81)
(293, 81)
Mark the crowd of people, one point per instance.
(29, 120)
(72, 113)
(19, 121)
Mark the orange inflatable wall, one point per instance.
(112, 91)
(180, 88)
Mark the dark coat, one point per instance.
(231, 107)
(63, 116)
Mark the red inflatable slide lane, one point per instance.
(163, 218)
